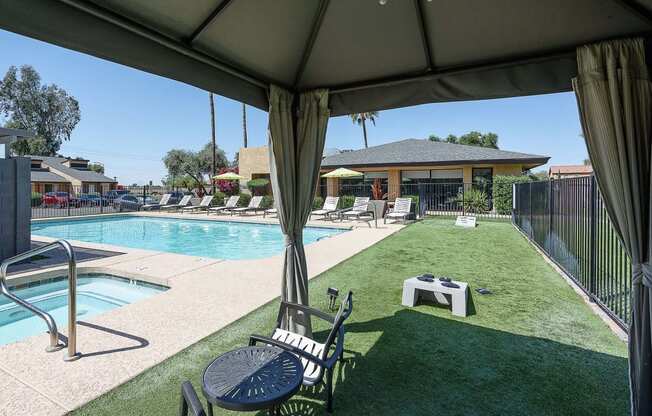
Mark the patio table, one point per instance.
(252, 378)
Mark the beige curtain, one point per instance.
(614, 98)
(297, 132)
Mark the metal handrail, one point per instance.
(72, 297)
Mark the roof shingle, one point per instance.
(426, 152)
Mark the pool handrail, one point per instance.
(72, 297)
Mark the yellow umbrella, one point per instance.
(342, 173)
(228, 176)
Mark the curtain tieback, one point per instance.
(292, 241)
(642, 274)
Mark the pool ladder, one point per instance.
(72, 353)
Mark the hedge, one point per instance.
(502, 192)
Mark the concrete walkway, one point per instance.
(204, 296)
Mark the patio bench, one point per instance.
(455, 297)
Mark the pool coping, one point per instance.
(199, 305)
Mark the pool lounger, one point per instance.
(254, 205)
(232, 202)
(174, 207)
(203, 205)
(164, 200)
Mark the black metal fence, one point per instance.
(73, 201)
(447, 199)
(566, 218)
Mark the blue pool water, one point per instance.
(96, 293)
(213, 239)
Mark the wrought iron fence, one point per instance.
(447, 199)
(566, 219)
(75, 201)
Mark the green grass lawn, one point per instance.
(531, 348)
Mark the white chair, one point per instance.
(164, 200)
(203, 205)
(173, 207)
(232, 202)
(330, 206)
(402, 209)
(254, 205)
(359, 210)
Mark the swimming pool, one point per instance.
(96, 293)
(213, 239)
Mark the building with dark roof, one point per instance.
(409, 161)
(51, 174)
(414, 161)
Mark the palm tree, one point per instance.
(244, 124)
(361, 118)
(213, 164)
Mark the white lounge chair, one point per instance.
(173, 207)
(271, 211)
(330, 206)
(359, 210)
(231, 203)
(203, 205)
(164, 200)
(254, 205)
(402, 209)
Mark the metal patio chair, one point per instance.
(317, 358)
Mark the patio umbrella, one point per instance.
(228, 176)
(342, 173)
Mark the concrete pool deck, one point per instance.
(204, 296)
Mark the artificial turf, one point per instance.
(533, 347)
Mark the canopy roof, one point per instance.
(370, 56)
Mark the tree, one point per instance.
(244, 125)
(96, 167)
(473, 138)
(361, 118)
(194, 165)
(587, 162)
(47, 110)
(213, 150)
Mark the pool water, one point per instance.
(96, 293)
(213, 239)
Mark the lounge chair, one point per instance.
(270, 211)
(164, 200)
(359, 210)
(254, 205)
(402, 209)
(330, 206)
(174, 207)
(231, 203)
(203, 205)
(314, 355)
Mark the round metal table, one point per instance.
(252, 378)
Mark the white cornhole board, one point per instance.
(465, 221)
(455, 297)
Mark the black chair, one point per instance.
(190, 401)
(317, 358)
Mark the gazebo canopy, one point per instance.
(371, 56)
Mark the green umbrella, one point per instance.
(342, 173)
(228, 176)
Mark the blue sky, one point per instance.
(130, 119)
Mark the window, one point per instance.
(48, 187)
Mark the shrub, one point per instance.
(346, 201)
(218, 198)
(502, 192)
(244, 200)
(317, 203)
(258, 186)
(267, 202)
(474, 201)
(37, 199)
